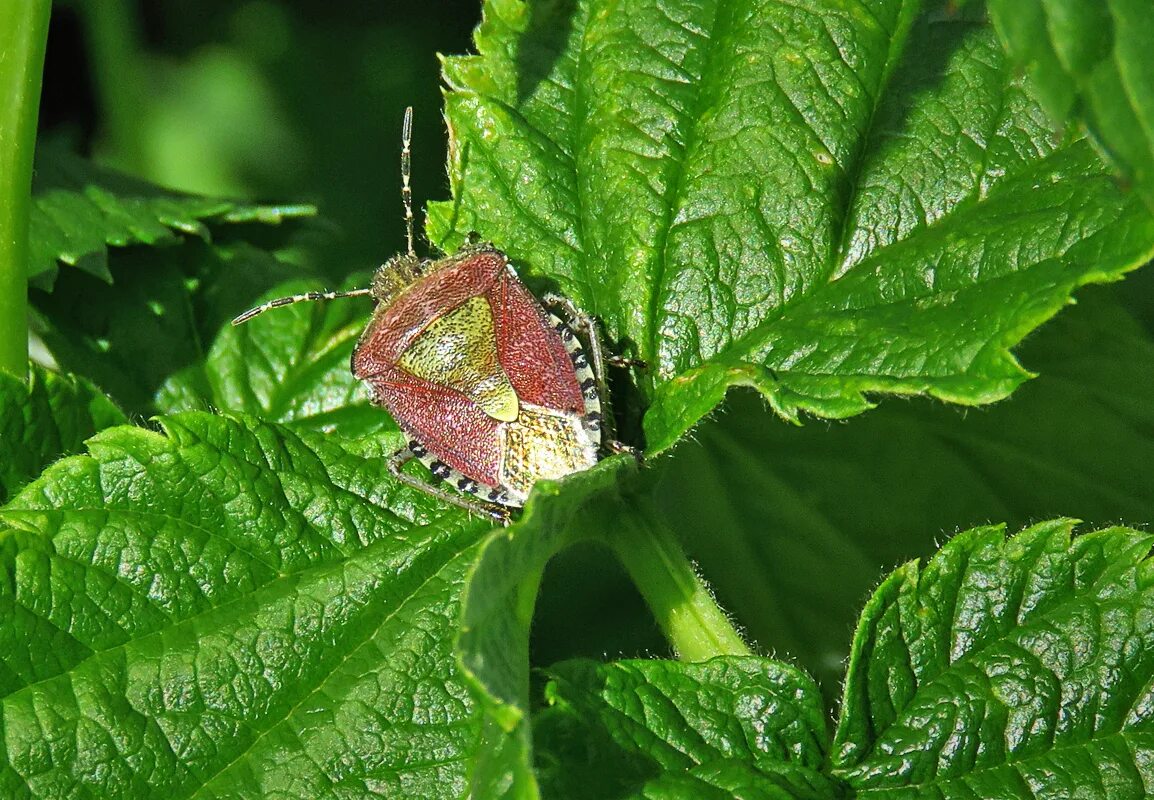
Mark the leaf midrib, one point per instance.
(813, 305)
(894, 53)
(628, 723)
(191, 620)
(888, 791)
(676, 187)
(701, 97)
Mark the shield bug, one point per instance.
(493, 391)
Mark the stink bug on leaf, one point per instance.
(493, 392)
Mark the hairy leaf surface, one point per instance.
(494, 642)
(822, 199)
(761, 506)
(730, 727)
(1015, 667)
(231, 610)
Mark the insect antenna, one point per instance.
(406, 190)
(406, 199)
(298, 298)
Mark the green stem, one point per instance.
(684, 608)
(23, 36)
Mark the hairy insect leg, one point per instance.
(621, 447)
(585, 324)
(491, 511)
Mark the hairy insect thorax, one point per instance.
(396, 275)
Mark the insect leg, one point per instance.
(405, 455)
(587, 325)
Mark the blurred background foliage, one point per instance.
(262, 99)
(302, 101)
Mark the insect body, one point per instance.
(493, 392)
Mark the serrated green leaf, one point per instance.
(761, 504)
(840, 199)
(44, 419)
(1013, 667)
(79, 210)
(1091, 62)
(726, 728)
(231, 609)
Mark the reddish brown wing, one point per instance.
(392, 329)
(447, 423)
(530, 350)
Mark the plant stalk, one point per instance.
(685, 610)
(23, 38)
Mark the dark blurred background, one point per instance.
(272, 101)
